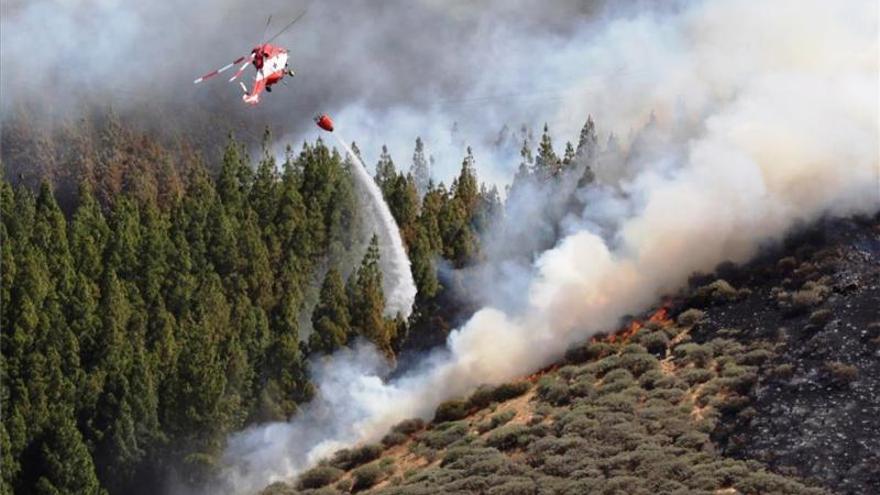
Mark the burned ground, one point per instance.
(814, 411)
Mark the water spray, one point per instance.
(397, 276)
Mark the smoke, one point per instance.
(766, 117)
(397, 276)
(376, 61)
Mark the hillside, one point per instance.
(757, 379)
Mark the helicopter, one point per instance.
(270, 61)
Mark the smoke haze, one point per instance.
(766, 118)
(369, 64)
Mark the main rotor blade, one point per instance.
(243, 67)
(265, 29)
(298, 17)
(211, 74)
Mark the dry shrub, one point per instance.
(841, 374)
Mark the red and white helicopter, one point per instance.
(270, 61)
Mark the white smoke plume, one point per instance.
(768, 114)
(397, 278)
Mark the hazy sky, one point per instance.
(387, 71)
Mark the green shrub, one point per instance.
(787, 264)
(618, 401)
(731, 403)
(810, 295)
(841, 374)
(639, 363)
(673, 395)
(649, 379)
(738, 378)
(582, 388)
(690, 317)
(671, 382)
(464, 455)
(619, 383)
(553, 390)
(278, 488)
(577, 425)
(588, 352)
(693, 376)
(655, 342)
(783, 371)
(394, 438)
(451, 410)
(820, 317)
(409, 426)
(619, 374)
(439, 438)
(517, 486)
(366, 476)
(319, 476)
(692, 440)
(606, 364)
(496, 421)
(725, 348)
(755, 357)
(633, 349)
(697, 354)
(344, 485)
(508, 437)
(350, 458)
(718, 292)
(486, 395)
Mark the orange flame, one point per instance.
(660, 316)
(538, 374)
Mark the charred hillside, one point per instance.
(813, 412)
(755, 379)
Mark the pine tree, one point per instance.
(343, 218)
(423, 269)
(403, 201)
(466, 190)
(234, 180)
(612, 146)
(569, 156)
(429, 218)
(587, 146)
(524, 171)
(89, 234)
(222, 242)
(50, 239)
(65, 464)
(331, 321)
(488, 210)
(357, 151)
(386, 173)
(546, 163)
(368, 300)
(7, 252)
(263, 195)
(421, 169)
